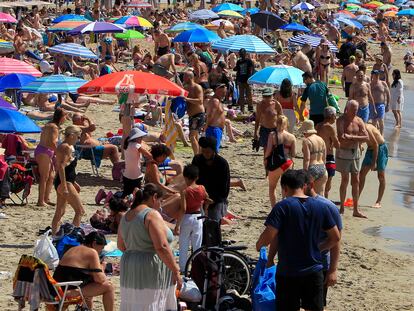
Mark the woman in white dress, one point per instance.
(397, 97)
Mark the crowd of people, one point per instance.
(160, 197)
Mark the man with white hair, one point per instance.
(351, 134)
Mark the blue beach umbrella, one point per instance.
(203, 14)
(227, 6)
(365, 20)
(197, 36)
(6, 47)
(250, 43)
(15, 81)
(314, 41)
(54, 84)
(73, 49)
(406, 12)
(251, 11)
(12, 121)
(69, 17)
(295, 27)
(180, 27)
(350, 22)
(274, 75)
(352, 2)
(303, 6)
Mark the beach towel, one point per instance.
(170, 131)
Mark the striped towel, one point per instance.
(170, 131)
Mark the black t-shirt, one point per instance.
(244, 69)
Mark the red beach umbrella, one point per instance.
(10, 65)
(131, 82)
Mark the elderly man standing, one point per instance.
(351, 134)
(381, 95)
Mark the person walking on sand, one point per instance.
(195, 109)
(327, 131)
(65, 182)
(397, 97)
(348, 75)
(381, 95)
(45, 153)
(376, 159)
(244, 70)
(267, 112)
(351, 133)
(216, 117)
(360, 91)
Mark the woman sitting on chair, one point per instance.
(82, 263)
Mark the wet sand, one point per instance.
(373, 274)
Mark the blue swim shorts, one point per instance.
(382, 158)
(363, 113)
(380, 114)
(216, 132)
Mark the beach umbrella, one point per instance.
(7, 18)
(303, 6)
(274, 75)
(295, 27)
(132, 82)
(407, 12)
(227, 6)
(6, 47)
(129, 34)
(69, 17)
(66, 26)
(267, 20)
(180, 27)
(138, 4)
(346, 13)
(314, 41)
(390, 14)
(97, 27)
(388, 7)
(228, 13)
(372, 4)
(216, 24)
(73, 49)
(54, 84)
(197, 36)
(11, 65)
(133, 21)
(352, 2)
(6, 105)
(352, 7)
(316, 4)
(15, 81)
(203, 14)
(350, 22)
(363, 10)
(251, 43)
(251, 11)
(12, 121)
(366, 20)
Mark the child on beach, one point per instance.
(188, 227)
(101, 220)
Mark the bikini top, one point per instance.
(313, 151)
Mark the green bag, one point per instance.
(333, 102)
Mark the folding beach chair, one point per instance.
(33, 283)
(87, 152)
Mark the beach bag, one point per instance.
(46, 251)
(277, 157)
(264, 285)
(179, 106)
(189, 292)
(65, 243)
(333, 102)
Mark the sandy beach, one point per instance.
(372, 274)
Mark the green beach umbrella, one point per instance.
(129, 34)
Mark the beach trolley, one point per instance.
(33, 283)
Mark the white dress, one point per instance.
(396, 93)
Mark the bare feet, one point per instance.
(50, 203)
(342, 210)
(359, 215)
(41, 204)
(376, 205)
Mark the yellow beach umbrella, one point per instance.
(390, 14)
(229, 13)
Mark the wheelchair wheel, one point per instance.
(236, 270)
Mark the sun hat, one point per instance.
(268, 91)
(136, 133)
(308, 127)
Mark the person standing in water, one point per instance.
(397, 97)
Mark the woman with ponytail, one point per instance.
(149, 272)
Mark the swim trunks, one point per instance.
(382, 158)
(217, 133)
(163, 50)
(264, 135)
(330, 165)
(160, 70)
(347, 88)
(380, 111)
(363, 113)
(197, 121)
(347, 160)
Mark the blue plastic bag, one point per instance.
(264, 285)
(179, 106)
(65, 243)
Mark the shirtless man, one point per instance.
(165, 65)
(382, 68)
(36, 19)
(327, 131)
(386, 55)
(333, 33)
(301, 61)
(360, 91)
(348, 75)
(162, 43)
(105, 151)
(200, 70)
(383, 33)
(195, 109)
(19, 44)
(216, 117)
(381, 94)
(376, 159)
(351, 134)
(266, 117)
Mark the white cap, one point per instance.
(45, 67)
(136, 133)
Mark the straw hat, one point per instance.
(308, 127)
(268, 91)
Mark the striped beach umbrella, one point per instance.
(69, 17)
(7, 18)
(250, 43)
(303, 6)
(10, 65)
(73, 49)
(227, 6)
(314, 41)
(180, 27)
(6, 47)
(54, 84)
(133, 21)
(97, 27)
(350, 22)
(66, 26)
